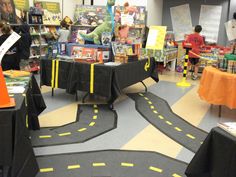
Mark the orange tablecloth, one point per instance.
(218, 88)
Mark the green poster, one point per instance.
(22, 4)
(53, 7)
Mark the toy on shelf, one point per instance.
(107, 26)
(130, 23)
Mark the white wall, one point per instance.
(154, 10)
(121, 2)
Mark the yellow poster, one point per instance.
(156, 37)
(22, 4)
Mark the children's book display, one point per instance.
(86, 19)
(87, 15)
(16, 81)
(126, 52)
(130, 20)
(51, 12)
(89, 53)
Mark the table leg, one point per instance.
(76, 96)
(85, 96)
(144, 86)
(220, 109)
(52, 91)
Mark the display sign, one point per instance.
(53, 7)
(210, 16)
(52, 12)
(181, 21)
(230, 27)
(22, 4)
(156, 37)
(127, 19)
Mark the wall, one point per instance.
(195, 6)
(121, 2)
(232, 8)
(154, 10)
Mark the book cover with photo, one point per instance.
(106, 38)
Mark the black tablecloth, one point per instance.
(216, 157)
(16, 151)
(108, 80)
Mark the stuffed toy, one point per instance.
(106, 26)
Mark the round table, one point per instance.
(218, 88)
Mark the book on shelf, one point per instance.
(230, 127)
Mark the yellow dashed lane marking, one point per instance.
(95, 117)
(149, 102)
(152, 107)
(146, 98)
(92, 124)
(176, 175)
(161, 117)
(178, 129)
(155, 169)
(46, 170)
(95, 106)
(72, 167)
(141, 94)
(65, 134)
(155, 112)
(99, 164)
(169, 123)
(45, 136)
(95, 111)
(82, 129)
(191, 136)
(123, 164)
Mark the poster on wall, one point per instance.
(210, 16)
(181, 21)
(21, 8)
(156, 37)
(230, 27)
(7, 11)
(87, 15)
(52, 12)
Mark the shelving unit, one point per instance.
(40, 38)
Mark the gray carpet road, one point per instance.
(92, 121)
(158, 112)
(111, 163)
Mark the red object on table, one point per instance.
(5, 100)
